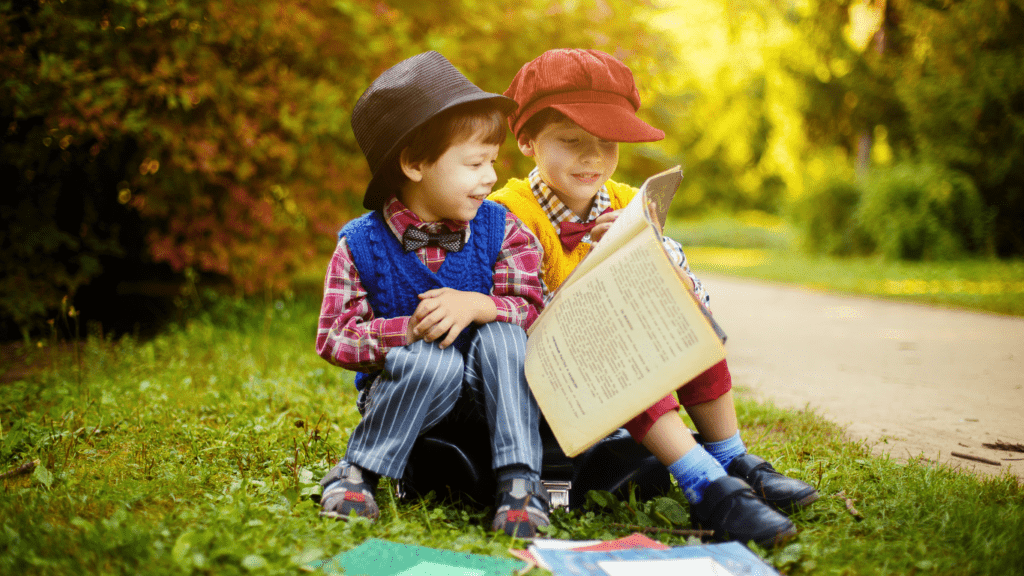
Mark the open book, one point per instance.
(622, 331)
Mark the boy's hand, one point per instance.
(445, 313)
(604, 222)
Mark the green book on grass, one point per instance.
(382, 558)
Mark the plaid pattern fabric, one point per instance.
(558, 212)
(350, 336)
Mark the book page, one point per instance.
(659, 190)
(629, 223)
(618, 340)
(673, 567)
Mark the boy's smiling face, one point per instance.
(573, 162)
(453, 187)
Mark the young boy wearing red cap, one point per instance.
(575, 107)
(428, 296)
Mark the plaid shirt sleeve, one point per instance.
(518, 292)
(348, 334)
(675, 252)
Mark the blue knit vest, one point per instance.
(393, 278)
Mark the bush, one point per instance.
(919, 211)
(826, 216)
(213, 135)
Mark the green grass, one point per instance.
(195, 452)
(762, 247)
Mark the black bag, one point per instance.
(454, 460)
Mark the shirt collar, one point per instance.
(556, 210)
(398, 218)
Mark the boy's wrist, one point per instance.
(484, 308)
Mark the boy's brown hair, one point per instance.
(428, 142)
(538, 122)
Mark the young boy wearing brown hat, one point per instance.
(428, 296)
(575, 107)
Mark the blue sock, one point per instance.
(694, 472)
(725, 451)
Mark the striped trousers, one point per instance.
(421, 384)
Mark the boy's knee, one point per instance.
(501, 339)
(422, 364)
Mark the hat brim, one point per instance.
(376, 192)
(610, 122)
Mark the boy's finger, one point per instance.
(608, 217)
(438, 330)
(424, 309)
(425, 323)
(434, 293)
(453, 333)
(597, 232)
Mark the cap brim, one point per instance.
(610, 122)
(375, 194)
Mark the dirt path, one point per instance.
(913, 380)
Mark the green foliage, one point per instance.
(212, 135)
(827, 216)
(930, 82)
(752, 229)
(923, 212)
(195, 452)
(965, 102)
(975, 284)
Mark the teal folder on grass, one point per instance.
(382, 558)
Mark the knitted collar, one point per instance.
(557, 211)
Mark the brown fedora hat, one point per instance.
(401, 99)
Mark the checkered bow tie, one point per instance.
(414, 239)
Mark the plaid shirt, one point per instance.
(558, 212)
(351, 337)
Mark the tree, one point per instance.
(944, 91)
(212, 135)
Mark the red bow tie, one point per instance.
(571, 233)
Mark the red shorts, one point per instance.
(707, 386)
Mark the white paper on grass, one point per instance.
(556, 544)
(674, 567)
(435, 569)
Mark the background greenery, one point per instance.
(145, 144)
(194, 452)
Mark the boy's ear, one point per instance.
(412, 170)
(526, 147)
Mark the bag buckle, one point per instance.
(558, 491)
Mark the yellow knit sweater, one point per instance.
(558, 263)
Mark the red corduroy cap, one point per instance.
(592, 88)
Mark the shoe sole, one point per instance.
(779, 539)
(342, 517)
(808, 500)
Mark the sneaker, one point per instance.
(349, 489)
(522, 507)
